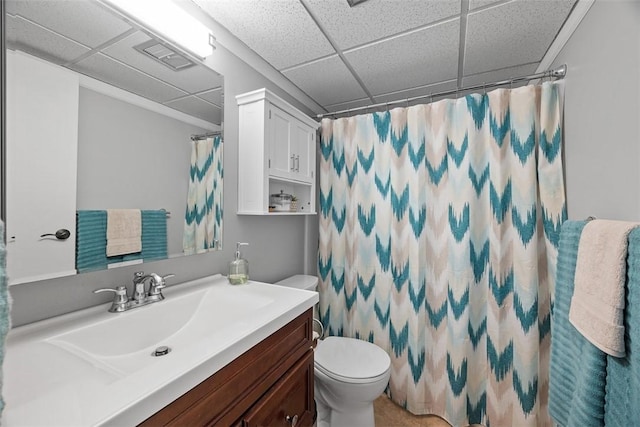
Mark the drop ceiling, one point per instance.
(384, 50)
(340, 56)
(89, 38)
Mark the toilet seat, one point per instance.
(351, 360)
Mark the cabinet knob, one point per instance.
(292, 420)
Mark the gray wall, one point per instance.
(602, 153)
(133, 158)
(278, 245)
(602, 113)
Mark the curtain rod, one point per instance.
(557, 73)
(205, 135)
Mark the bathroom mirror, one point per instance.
(103, 114)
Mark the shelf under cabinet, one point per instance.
(277, 213)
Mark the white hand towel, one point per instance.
(124, 231)
(597, 305)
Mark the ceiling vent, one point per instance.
(165, 55)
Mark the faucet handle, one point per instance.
(119, 291)
(156, 284)
(120, 298)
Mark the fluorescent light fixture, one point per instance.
(169, 20)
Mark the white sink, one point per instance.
(93, 367)
(124, 341)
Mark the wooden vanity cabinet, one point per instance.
(288, 403)
(269, 385)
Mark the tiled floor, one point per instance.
(388, 414)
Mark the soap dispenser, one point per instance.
(238, 268)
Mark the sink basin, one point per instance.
(96, 368)
(124, 341)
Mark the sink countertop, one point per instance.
(50, 384)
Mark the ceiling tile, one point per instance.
(83, 21)
(475, 4)
(103, 68)
(415, 59)
(193, 79)
(282, 32)
(213, 96)
(28, 37)
(363, 102)
(376, 19)
(513, 33)
(499, 75)
(196, 107)
(327, 81)
(420, 91)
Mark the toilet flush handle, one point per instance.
(292, 420)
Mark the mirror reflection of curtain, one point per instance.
(203, 217)
(438, 236)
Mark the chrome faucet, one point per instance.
(139, 297)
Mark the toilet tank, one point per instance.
(306, 283)
(300, 281)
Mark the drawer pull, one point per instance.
(292, 420)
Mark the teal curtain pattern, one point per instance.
(203, 217)
(439, 229)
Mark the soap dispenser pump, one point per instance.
(238, 268)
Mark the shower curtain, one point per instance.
(439, 228)
(203, 217)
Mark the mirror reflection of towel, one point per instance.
(91, 239)
(124, 231)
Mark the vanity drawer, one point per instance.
(224, 397)
(288, 401)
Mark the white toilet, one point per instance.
(349, 374)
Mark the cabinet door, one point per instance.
(42, 135)
(289, 402)
(304, 152)
(230, 394)
(281, 160)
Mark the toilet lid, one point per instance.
(350, 358)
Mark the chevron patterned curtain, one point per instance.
(439, 228)
(203, 217)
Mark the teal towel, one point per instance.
(578, 368)
(5, 318)
(91, 239)
(154, 236)
(622, 408)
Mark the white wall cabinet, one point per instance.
(276, 153)
(42, 127)
(290, 144)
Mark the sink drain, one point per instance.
(161, 351)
